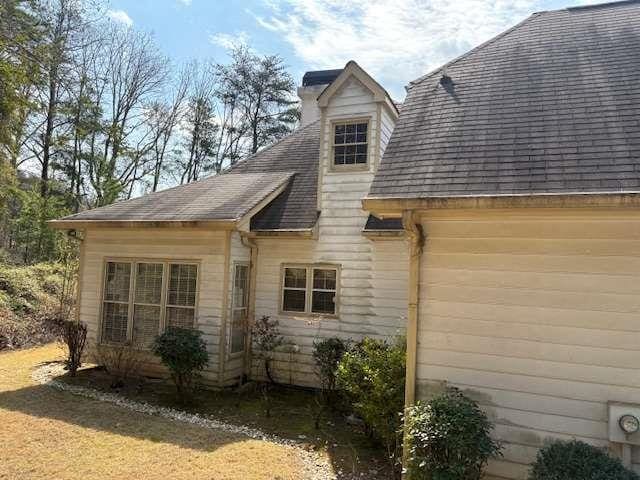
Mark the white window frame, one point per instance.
(308, 302)
(234, 308)
(349, 166)
(132, 286)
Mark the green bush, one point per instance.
(448, 438)
(577, 460)
(327, 354)
(184, 353)
(372, 375)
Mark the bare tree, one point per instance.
(201, 126)
(163, 118)
(134, 72)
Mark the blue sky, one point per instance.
(396, 41)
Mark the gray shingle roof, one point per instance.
(375, 224)
(550, 106)
(220, 197)
(296, 207)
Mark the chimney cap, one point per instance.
(320, 77)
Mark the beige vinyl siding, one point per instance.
(535, 314)
(386, 128)
(234, 366)
(200, 246)
(372, 297)
(372, 280)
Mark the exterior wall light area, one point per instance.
(629, 424)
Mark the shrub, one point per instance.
(184, 353)
(120, 361)
(267, 339)
(372, 375)
(327, 354)
(577, 460)
(74, 335)
(448, 438)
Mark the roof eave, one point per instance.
(224, 224)
(392, 207)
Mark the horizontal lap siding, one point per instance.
(373, 275)
(372, 298)
(535, 315)
(207, 247)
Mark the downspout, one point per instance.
(415, 237)
(250, 242)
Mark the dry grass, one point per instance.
(46, 433)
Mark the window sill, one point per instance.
(130, 347)
(309, 315)
(234, 355)
(354, 168)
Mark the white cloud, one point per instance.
(186, 3)
(395, 40)
(120, 16)
(229, 41)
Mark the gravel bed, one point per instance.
(316, 465)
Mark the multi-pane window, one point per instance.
(323, 295)
(181, 295)
(147, 303)
(140, 298)
(350, 143)
(294, 289)
(239, 307)
(117, 283)
(310, 289)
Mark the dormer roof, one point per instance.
(353, 70)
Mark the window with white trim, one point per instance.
(239, 307)
(350, 143)
(310, 289)
(142, 297)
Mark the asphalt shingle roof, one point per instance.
(296, 207)
(220, 197)
(550, 106)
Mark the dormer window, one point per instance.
(350, 142)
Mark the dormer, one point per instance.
(356, 118)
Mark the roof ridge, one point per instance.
(473, 50)
(269, 147)
(618, 3)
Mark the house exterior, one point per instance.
(496, 220)
(516, 168)
(282, 233)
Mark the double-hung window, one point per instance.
(350, 142)
(311, 289)
(141, 298)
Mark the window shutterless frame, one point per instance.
(133, 262)
(309, 289)
(355, 167)
(241, 274)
